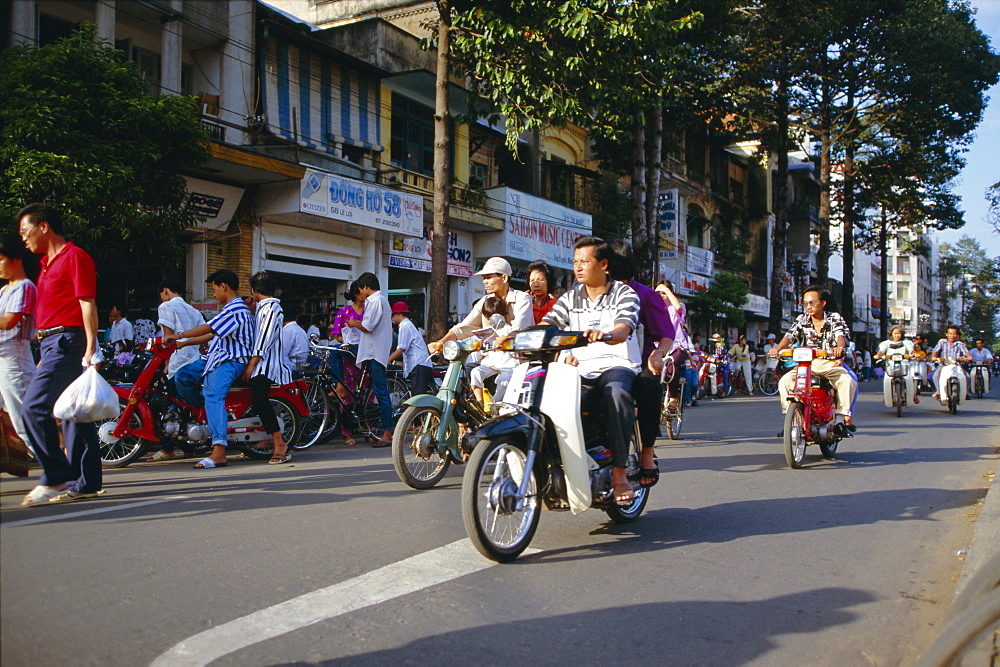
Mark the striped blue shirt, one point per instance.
(234, 335)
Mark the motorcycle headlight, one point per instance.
(802, 354)
(450, 350)
(529, 340)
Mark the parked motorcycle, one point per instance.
(980, 379)
(952, 384)
(897, 384)
(152, 413)
(811, 416)
(426, 440)
(711, 378)
(541, 451)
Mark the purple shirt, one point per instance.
(653, 316)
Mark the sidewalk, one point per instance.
(986, 536)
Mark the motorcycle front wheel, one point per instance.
(119, 452)
(795, 435)
(953, 396)
(496, 526)
(897, 397)
(288, 423)
(979, 385)
(414, 448)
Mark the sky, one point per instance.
(983, 168)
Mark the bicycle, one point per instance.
(738, 382)
(672, 419)
(359, 405)
(768, 381)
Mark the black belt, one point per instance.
(45, 333)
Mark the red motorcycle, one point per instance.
(152, 413)
(811, 416)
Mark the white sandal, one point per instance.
(40, 495)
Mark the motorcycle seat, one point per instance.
(821, 382)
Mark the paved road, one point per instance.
(737, 560)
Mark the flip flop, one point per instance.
(278, 459)
(40, 495)
(381, 443)
(160, 455)
(207, 463)
(350, 441)
(645, 473)
(624, 499)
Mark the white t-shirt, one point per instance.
(375, 345)
(413, 346)
(121, 330)
(295, 344)
(180, 316)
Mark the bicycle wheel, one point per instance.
(768, 382)
(398, 392)
(320, 414)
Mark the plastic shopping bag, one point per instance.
(88, 399)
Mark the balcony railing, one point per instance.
(417, 183)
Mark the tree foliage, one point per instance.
(78, 130)
(723, 300)
(973, 281)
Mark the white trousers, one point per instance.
(17, 367)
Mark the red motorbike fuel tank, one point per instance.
(822, 405)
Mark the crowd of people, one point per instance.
(256, 341)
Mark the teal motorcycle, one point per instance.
(427, 438)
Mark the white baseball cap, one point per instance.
(495, 265)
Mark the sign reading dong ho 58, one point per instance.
(362, 203)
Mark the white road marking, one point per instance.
(392, 581)
(95, 510)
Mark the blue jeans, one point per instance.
(213, 388)
(59, 366)
(381, 388)
(691, 374)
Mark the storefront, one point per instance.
(409, 263)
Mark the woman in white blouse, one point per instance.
(17, 327)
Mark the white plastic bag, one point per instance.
(88, 399)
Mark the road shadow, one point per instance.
(683, 632)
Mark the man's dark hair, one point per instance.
(264, 283)
(979, 340)
(955, 327)
(291, 310)
(824, 294)
(368, 279)
(303, 321)
(175, 286)
(319, 320)
(115, 305)
(224, 277)
(602, 250)
(546, 271)
(622, 263)
(39, 212)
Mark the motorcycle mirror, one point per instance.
(497, 321)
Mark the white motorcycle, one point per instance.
(897, 384)
(952, 384)
(540, 451)
(980, 379)
(918, 373)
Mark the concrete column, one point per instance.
(104, 17)
(170, 52)
(237, 90)
(197, 271)
(23, 22)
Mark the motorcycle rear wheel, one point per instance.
(794, 435)
(495, 526)
(126, 449)
(288, 422)
(320, 415)
(640, 496)
(979, 385)
(418, 426)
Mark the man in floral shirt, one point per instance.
(819, 329)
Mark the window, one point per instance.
(478, 174)
(412, 136)
(51, 28)
(902, 290)
(903, 265)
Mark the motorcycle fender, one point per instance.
(516, 423)
(425, 401)
(887, 391)
(293, 393)
(561, 404)
(145, 430)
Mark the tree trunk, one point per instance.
(438, 309)
(647, 258)
(640, 239)
(847, 307)
(826, 142)
(780, 206)
(883, 292)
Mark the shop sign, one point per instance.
(758, 305)
(208, 309)
(537, 229)
(700, 261)
(419, 250)
(667, 206)
(691, 284)
(361, 203)
(214, 202)
(900, 313)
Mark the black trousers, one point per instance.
(421, 381)
(648, 398)
(612, 391)
(260, 387)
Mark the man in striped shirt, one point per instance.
(598, 305)
(232, 335)
(949, 347)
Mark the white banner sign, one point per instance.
(690, 284)
(758, 305)
(700, 261)
(538, 229)
(362, 203)
(668, 206)
(419, 251)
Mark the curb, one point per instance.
(986, 536)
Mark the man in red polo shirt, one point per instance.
(67, 288)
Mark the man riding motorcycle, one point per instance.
(896, 340)
(949, 347)
(598, 305)
(825, 331)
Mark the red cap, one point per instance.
(399, 307)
